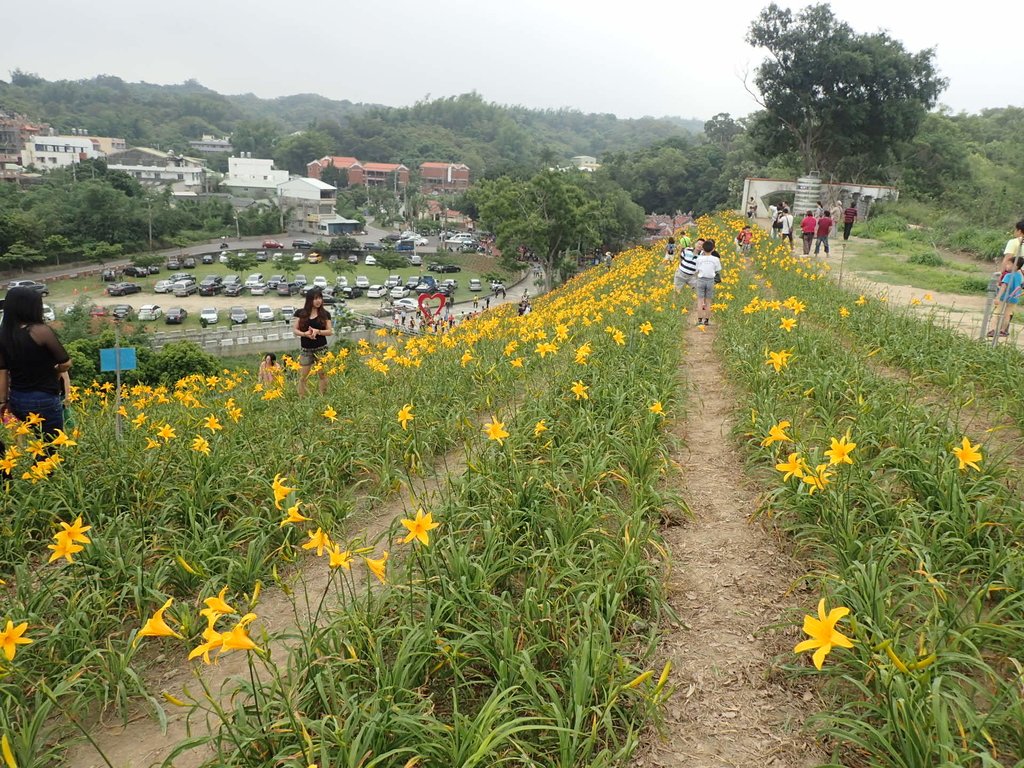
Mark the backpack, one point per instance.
(777, 224)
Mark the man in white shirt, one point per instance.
(787, 228)
(773, 213)
(708, 268)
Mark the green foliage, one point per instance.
(241, 261)
(176, 361)
(840, 99)
(927, 259)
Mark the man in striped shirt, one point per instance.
(685, 273)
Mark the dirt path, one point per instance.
(142, 743)
(729, 585)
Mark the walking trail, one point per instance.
(730, 586)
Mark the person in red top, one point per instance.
(849, 216)
(807, 226)
(823, 231)
(745, 238)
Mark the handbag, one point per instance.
(718, 277)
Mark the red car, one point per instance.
(272, 244)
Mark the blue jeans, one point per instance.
(40, 403)
(821, 241)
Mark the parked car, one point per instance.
(433, 266)
(301, 244)
(238, 315)
(298, 258)
(209, 315)
(154, 269)
(189, 263)
(173, 262)
(272, 244)
(211, 285)
(376, 292)
(163, 286)
(273, 281)
(232, 280)
(351, 292)
(48, 314)
(391, 237)
(258, 290)
(300, 280)
(264, 313)
(320, 281)
(421, 241)
(149, 312)
(123, 289)
(427, 285)
(340, 281)
(314, 258)
(223, 258)
(233, 289)
(284, 288)
(399, 292)
(451, 282)
(207, 258)
(175, 316)
(108, 276)
(412, 282)
(409, 305)
(448, 268)
(371, 260)
(185, 288)
(392, 281)
(352, 259)
(251, 280)
(133, 271)
(261, 256)
(122, 311)
(362, 281)
(179, 276)
(497, 285)
(98, 311)
(288, 312)
(373, 247)
(416, 260)
(40, 287)
(405, 246)
(475, 284)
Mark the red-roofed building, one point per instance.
(394, 175)
(443, 177)
(315, 168)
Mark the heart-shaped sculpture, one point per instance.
(428, 301)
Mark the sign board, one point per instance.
(109, 359)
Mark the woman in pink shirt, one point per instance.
(807, 227)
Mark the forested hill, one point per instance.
(489, 137)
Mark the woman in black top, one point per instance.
(32, 360)
(312, 326)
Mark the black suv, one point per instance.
(301, 244)
(133, 271)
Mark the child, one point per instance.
(1008, 296)
(745, 238)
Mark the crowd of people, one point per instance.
(816, 226)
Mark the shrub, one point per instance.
(927, 259)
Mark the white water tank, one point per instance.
(808, 195)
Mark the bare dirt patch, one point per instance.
(730, 586)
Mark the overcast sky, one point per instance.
(641, 57)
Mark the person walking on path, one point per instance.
(849, 216)
(1009, 297)
(824, 229)
(807, 227)
(1013, 250)
(686, 271)
(773, 221)
(709, 268)
(786, 228)
(312, 326)
(32, 362)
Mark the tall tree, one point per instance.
(832, 93)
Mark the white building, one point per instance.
(211, 144)
(253, 177)
(310, 201)
(180, 177)
(585, 163)
(58, 151)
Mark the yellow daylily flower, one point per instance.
(823, 633)
(419, 527)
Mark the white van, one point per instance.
(474, 284)
(416, 260)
